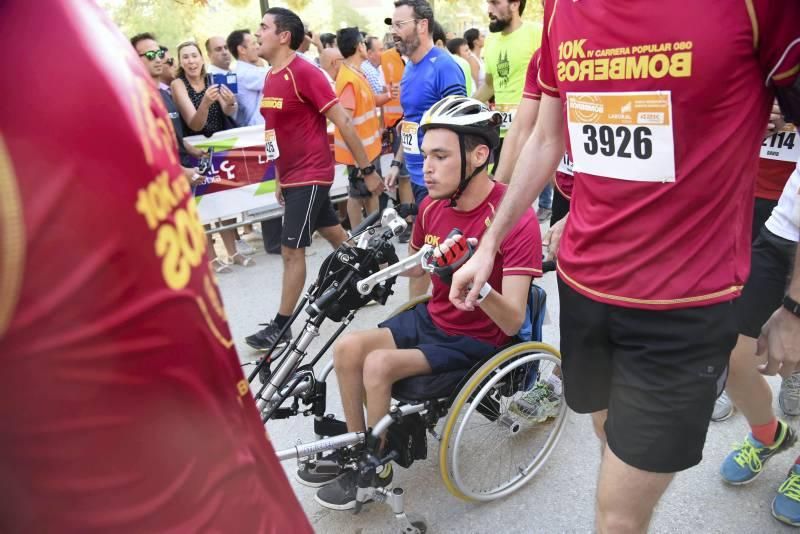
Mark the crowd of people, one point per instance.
(676, 245)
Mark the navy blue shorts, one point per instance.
(414, 329)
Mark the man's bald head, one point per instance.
(330, 59)
(218, 52)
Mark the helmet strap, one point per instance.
(462, 185)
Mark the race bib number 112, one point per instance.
(627, 136)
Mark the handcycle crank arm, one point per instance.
(366, 285)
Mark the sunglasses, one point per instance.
(152, 54)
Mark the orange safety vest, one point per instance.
(365, 117)
(393, 67)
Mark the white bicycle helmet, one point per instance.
(464, 116)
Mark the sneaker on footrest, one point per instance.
(265, 338)
(746, 461)
(341, 494)
(321, 472)
(538, 404)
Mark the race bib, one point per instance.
(408, 135)
(271, 145)
(782, 145)
(507, 112)
(627, 136)
(565, 165)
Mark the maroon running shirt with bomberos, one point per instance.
(125, 409)
(520, 254)
(294, 103)
(665, 106)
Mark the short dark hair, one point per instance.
(422, 10)
(235, 39)
(439, 33)
(287, 20)
(472, 35)
(454, 44)
(142, 37)
(369, 41)
(348, 40)
(327, 40)
(521, 6)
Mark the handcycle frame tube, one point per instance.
(387, 420)
(303, 450)
(276, 381)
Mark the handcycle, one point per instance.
(482, 408)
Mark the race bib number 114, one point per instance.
(627, 136)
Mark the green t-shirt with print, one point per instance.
(507, 58)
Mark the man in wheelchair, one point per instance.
(459, 135)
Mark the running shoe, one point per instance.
(789, 396)
(786, 504)
(746, 461)
(723, 408)
(539, 404)
(321, 472)
(243, 247)
(543, 214)
(265, 338)
(341, 494)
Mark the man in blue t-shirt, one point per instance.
(430, 75)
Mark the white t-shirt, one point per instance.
(785, 219)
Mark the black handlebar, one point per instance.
(368, 221)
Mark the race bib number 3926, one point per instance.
(627, 136)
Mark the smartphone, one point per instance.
(228, 80)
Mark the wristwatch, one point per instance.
(366, 171)
(792, 305)
(396, 163)
(484, 292)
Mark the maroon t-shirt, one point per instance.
(294, 103)
(520, 254)
(125, 409)
(676, 234)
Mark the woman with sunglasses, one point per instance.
(202, 107)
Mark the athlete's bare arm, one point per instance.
(537, 163)
(485, 91)
(780, 336)
(521, 129)
(506, 308)
(340, 118)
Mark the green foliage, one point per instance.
(175, 21)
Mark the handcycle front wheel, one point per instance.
(490, 447)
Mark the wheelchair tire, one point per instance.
(488, 450)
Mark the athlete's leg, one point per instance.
(335, 235)
(294, 277)
(626, 496)
(354, 211)
(598, 422)
(349, 354)
(747, 387)
(384, 367)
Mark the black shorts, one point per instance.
(414, 329)
(771, 264)
(307, 208)
(658, 372)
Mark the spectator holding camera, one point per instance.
(202, 106)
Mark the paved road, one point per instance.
(559, 499)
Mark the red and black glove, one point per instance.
(454, 258)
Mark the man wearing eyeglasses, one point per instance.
(430, 75)
(152, 56)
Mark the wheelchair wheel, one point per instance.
(491, 444)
